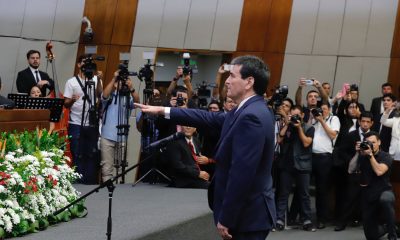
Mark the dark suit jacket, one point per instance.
(376, 112)
(26, 80)
(243, 196)
(348, 146)
(184, 170)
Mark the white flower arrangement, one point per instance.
(35, 181)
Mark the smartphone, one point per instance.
(227, 67)
(345, 88)
(309, 82)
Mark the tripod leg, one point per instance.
(145, 175)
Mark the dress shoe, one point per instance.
(339, 228)
(309, 227)
(279, 225)
(320, 225)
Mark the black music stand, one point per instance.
(19, 99)
(55, 105)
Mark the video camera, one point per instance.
(89, 66)
(203, 93)
(276, 100)
(124, 73)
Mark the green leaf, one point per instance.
(43, 224)
(34, 227)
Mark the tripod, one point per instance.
(149, 135)
(121, 146)
(88, 132)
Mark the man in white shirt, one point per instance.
(80, 96)
(327, 128)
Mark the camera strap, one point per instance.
(104, 112)
(83, 90)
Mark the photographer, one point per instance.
(313, 96)
(83, 144)
(327, 128)
(377, 195)
(295, 166)
(186, 80)
(351, 184)
(109, 139)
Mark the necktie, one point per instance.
(37, 76)
(193, 152)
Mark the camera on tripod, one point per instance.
(203, 93)
(89, 66)
(187, 69)
(124, 72)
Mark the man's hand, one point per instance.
(319, 118)
(302, 82)
(204, 175)
(41, 83)
(179, 73)
(221, 69)
(202, 160)
(153, 110)
(316, 83)
(223, 231)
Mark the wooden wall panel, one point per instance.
(396, 36)
(394, 75)
(275, 64)
(101, 13)
(124, 23)
(252, 31)
(278, 26)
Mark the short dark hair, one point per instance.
(215, 102)
(297, 107)
(30, 52)
(372, 133)
(325, 103)
(387, 85)
(289, 100)
(391, 96)
(312, 91)
(178, 89)
(367, 114)
(253, 66)
(325, 83)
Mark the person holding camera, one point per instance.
(83, 125)
(109, 139)
(186, 80)
(295, 166)
(351, 185)
(394, 124)
(377, 196)
(313, 97)
(327, 128)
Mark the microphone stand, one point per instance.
(110, 186)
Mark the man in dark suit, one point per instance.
(243, 199)
(31, 76)
(348, 151)
(377, 106)
(185, 171)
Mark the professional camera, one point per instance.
(316, 112)
(187, 70)
(180, 101)
(280, 93)
(365, 145)
(295, 119)
(124, 73)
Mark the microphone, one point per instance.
(162, 142)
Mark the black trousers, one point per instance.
(351, 205)
(321, 169)
(373, 228)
